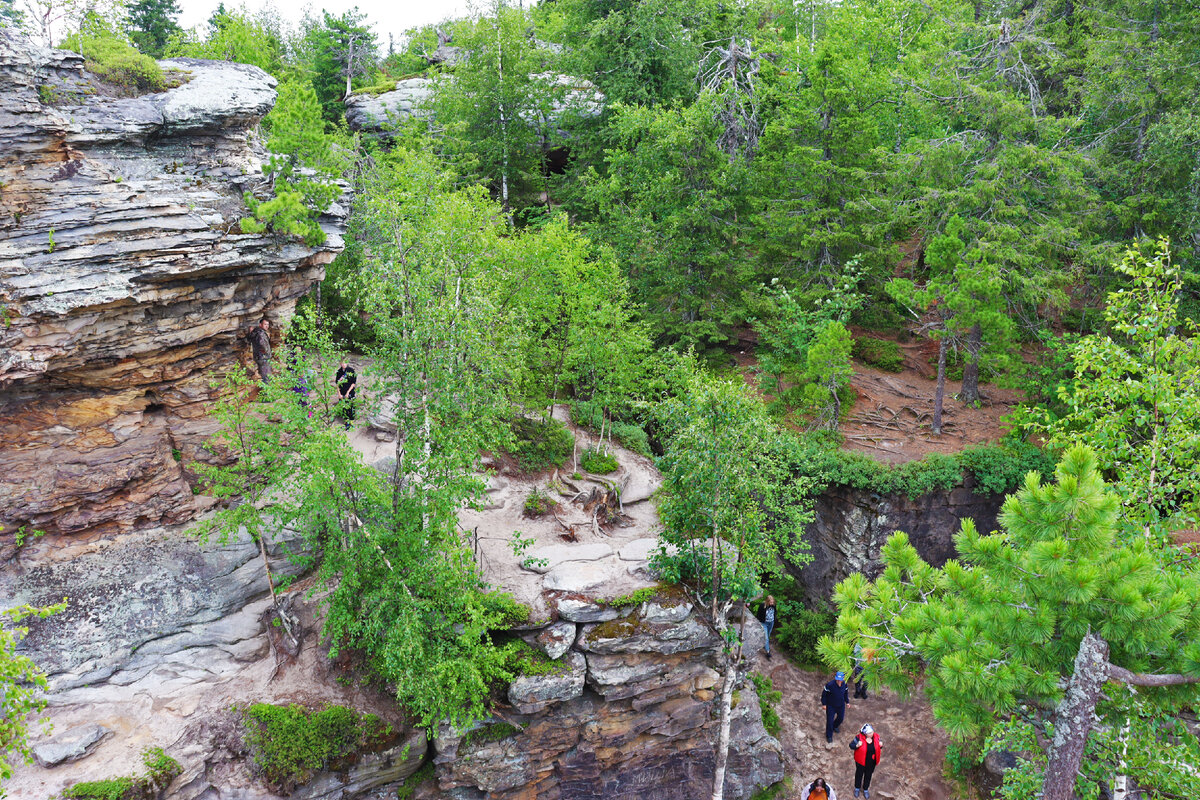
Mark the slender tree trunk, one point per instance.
(1073, 719)
(939, 394)
(349, 65)
(722, 754)
(970, 379)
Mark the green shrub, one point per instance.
(523, 658)
(541, 444)
(290, 743)
(1001, 468)
(161, 769)
(111, 58)
(768, 699)
(800, 627)
(598, 463)
(882, 353)
(507, 608)
(409, 787)
(624, 428)
(538, 503)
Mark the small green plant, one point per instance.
(541, 444)
(634, 598)
(23, 535)
(409, 787)
(51, 243)
(46, 94)
(538, 503)
(176, 454)
(882, 353)
(161, 769)
(768, 698)
(775, 791)
(290, 743)
(112, 59)
(598, 463)
(486, 734)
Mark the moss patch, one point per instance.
(291, 743)
(486, 734)
(161, 769)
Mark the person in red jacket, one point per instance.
(867, 750)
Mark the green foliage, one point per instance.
(768, 699)
(631, 434)
(235, 36)
(21, 685)
(290, 743)
(1135, 397)
(597, 462)
(302, 167)
(1003, 467)
(962, 758)
(882, 353)
(488, 733)
(992, 643)
(538, 503)
(152, 24)
(340, 51)
(541, 444)
(634, 598)
(109, 56)
(408, 788)
(160, 770)
(827, 375)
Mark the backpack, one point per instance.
(818, 793)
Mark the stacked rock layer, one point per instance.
(125, 282)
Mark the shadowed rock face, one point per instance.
(852, 525)
(125, 282)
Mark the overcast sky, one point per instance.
(387, 16)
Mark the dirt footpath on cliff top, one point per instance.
(913, 746)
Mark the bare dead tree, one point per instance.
(730, 73)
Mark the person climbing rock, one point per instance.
(867, 751)
(347, 386)
(834, 699)
(818, 790)
(260, 348)
(766, 615)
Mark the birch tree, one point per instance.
(731, 510)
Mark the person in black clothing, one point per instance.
(766, 615)
(347, 386)
(834, 699)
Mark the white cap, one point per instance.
(867, 729)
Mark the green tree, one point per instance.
(21, 685)
(340, 50)
(1046, 623)
(1135, 397)
(152, 24)
(236, 37)
(827, 374)
(730, 509)
(10, 15)
(302, 168)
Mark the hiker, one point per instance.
(860, 685)
(300, 376)
(867, 751)
(818, 790)
(346, 380)
(260, 347)
(834, 699)
(766, 615)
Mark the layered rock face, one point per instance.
(125, 282)
(852, 525)
(630, 714)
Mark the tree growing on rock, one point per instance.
(731, 510)
(21, 683)
(1048, 624)
(153, 23)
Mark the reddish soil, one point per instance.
(914, 748)
(892, 411)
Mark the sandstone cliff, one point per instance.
(125, 282)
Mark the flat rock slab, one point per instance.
(547, 557)
(638, 549)
(72, 745)
(585, 611)
(579, 576)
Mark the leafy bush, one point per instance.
(538, 503)
(1003, 467)
(290, 743)
(597, 462)
(541, 444)
(507, 608)
(882, 353)
(800, 627)
(114, 60)
(161, 769)
(768, 699)
(624, 427)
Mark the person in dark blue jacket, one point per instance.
(834, 699)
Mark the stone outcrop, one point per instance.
(630, 714)
(569, 97)
(852, 525)
(125, 283)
